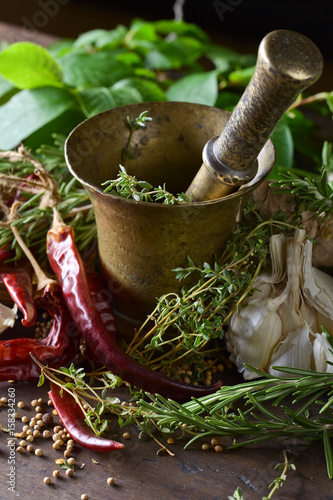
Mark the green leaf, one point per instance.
(242, 76)
(101, 38)
(100, 99)
(27, 66)
(167, 26)
(174, 54)
(227, 100)
(29, 110)
(226, 59)
(5, 87)
(41, 380)
(284, 145)
(62, 124)
(100, 69)
(59, 49)
(6, 90)
(200, 88)
(141, 30)
(150, 91)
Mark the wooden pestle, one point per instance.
(287, 64)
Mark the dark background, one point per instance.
(243, 20)
(241, 25)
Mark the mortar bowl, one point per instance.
(140, 243)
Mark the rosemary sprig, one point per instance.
(34, 218)
(316, 193)
(242, 411)
(299, 405)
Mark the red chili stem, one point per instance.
(18, 282)
(42, 279)
(67, 265)
(72, 418)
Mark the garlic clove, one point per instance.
(254, 332)
(322, 351)
(317, 286)
(294, 350)
(277, 245)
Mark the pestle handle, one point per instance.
(287, 64)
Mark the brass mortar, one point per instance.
(141, 243)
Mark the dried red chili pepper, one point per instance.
(72, 418)
(67, 264)
(18, 282)
(5, 253)
(58, 349)
(102, 298)
(26, 370)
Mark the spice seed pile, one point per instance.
(43, 425)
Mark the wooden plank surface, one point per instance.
(142, 474)
(138, 471)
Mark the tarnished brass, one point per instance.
(140, 243)
(287, 64)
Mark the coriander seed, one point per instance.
(69, 472)
(110, 481)
(47, 480)
(39, 452)
(56, 473)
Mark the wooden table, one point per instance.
(138, 471)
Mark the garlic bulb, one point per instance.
(281, 324)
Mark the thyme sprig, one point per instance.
(128, 186)
(183, 325)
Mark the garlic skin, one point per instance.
(281, 324)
